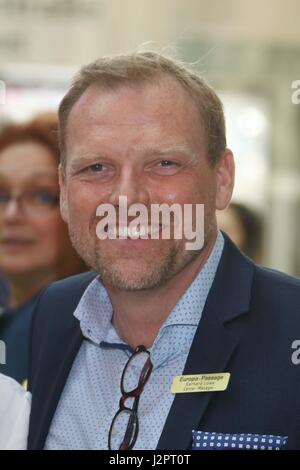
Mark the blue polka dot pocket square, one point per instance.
(218, 441)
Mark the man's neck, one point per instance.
(138, 315)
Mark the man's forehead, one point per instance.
(150, 111)
(162, 88)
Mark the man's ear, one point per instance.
(225, 179)
(63, 193)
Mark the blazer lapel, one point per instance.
(56, 350)
(216, 338)
(54, 381)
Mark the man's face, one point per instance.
(144, 142)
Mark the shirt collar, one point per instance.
(188, 309)
(94, 312)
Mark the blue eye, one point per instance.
(97, 167)
(166, 163)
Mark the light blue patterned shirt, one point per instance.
(92, 393)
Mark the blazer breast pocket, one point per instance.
(203, 440)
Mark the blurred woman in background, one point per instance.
(245, 228)
(14, 414)
(35, 249)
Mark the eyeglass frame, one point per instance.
(21, 198)
(135, 393)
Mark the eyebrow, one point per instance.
(83, 159)
(183, 149)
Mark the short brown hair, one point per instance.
(137, 67)
(38, 130)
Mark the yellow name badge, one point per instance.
(200, 383)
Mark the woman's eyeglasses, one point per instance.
(33, 202)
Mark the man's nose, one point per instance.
(131, 185)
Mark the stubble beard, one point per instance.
(149, 273)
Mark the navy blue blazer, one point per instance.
(250, 320)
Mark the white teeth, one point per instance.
(133, 232)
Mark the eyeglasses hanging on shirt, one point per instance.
(124, 428)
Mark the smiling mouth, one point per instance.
(127, 232)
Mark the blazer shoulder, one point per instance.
(277, 292)
(55, 305)
(53, 319)
(63, 295)
(70, 285)
(271, 278)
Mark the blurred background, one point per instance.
(248, 51)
